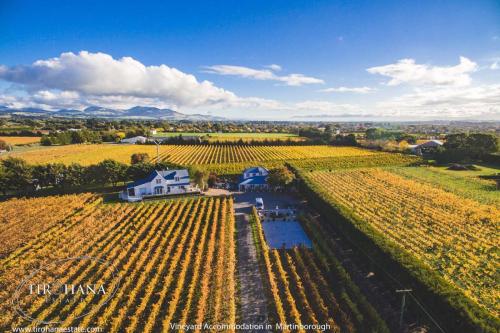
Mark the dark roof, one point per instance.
(144, 181)
(166, 174)
(171, 174)
(255, 169)
(257, 180)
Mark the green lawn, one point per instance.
(484, 169)
(15, 128)
(463, 183)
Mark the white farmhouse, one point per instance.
(135, 139)
(254, 178)
(425, 147)
(159, 183)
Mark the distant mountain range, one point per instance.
(137, 112)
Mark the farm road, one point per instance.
(252, 294)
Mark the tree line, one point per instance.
(376, 133)
(19, 177)
(457, 147)
(20, 133)
(329, 135)
(181, 140)
(463, 147)
(138, 126)
(71, 137)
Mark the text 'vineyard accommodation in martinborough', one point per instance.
(159, 183)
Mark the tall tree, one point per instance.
(56, 173)
(481, 144)
(4, 145)
(467, 147)
(280, 177)
(200, 178)
(75, 175)
(139, 158)
(4, 182)
(18, 174)
(139, 170)
(108, 171)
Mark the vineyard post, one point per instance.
(404, 291)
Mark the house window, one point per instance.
(158, 190)
(177, 179)
(131, 192)
(158, 181)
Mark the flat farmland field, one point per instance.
(215, 154)
(17, 216)
(355, 161)
(20, 140)
(174, 261)
(466, 184)
(183, 154)
(82, 154)
(449, 233)
(235, 136)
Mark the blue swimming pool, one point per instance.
(285, 234)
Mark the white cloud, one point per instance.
(317, 109)
(274, 67)
(56, 99)
(79, 80)
(15, 102)
(357, 90)
(246, 72)
(495, 65)
(462, 102)
(263, 74)
(99, 74)
(325, 106)
(408, 71)
(299, 79)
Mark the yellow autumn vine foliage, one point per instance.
(22, 219)
(169, 256)
(456, 236)
(20, 140)
(87, 154)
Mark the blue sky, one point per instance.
(337, 60)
